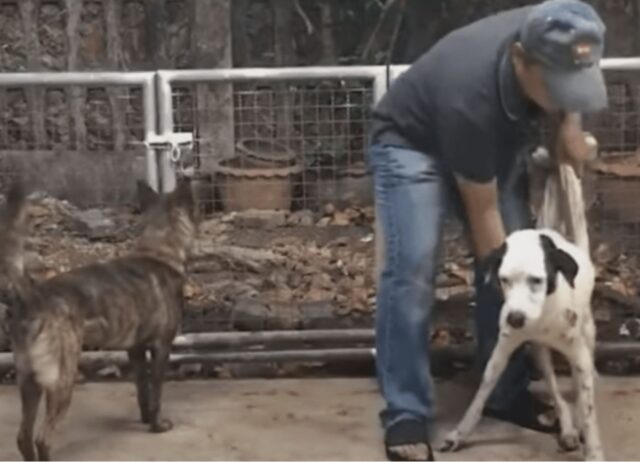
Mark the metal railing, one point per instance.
(163, 137)
(145, 80)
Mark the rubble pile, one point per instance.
(260, 270)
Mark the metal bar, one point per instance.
(74, 78)
(620, 64)
(380, 85)
(165, 128)
(237, 339)
(150, 127)
(89, 358)
(604, 350)
(271, 74)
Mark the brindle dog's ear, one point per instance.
(15, 210)
(557, 260)
(183, 194)
(147, 197)
(491, 264)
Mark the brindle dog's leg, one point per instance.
(30, 394)
(140, 365)
(159, 359)
(58, 401)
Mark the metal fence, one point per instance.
(288, 138)
(79, 136)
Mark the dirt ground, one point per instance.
(307, 419)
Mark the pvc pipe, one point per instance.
(237, 339)
(75, 78)
(99, 358)
(605, 350)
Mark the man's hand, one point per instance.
(572, 145)
(481, 203)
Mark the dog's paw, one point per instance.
(161, 426)
(595, 455)
(451, 442)
(569, 441)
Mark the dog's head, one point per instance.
(170, 221)
(526, 268)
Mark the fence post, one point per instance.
(150, 114)
(165, 129)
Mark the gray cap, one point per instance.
(567, 38)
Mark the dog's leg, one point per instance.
(568, 439)
(496, 365)
(584, 370)
(58, 401)
(140, 365)
(30, 394)
(159, 360)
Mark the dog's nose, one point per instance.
(516, 319)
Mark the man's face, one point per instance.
(531, 80)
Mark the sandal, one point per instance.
(405, 433)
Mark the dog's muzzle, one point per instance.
(516, 319)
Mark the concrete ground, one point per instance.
(307, 419)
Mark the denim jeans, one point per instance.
(413, 196)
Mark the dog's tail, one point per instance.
(13, 232)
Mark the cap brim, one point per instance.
(583, 90)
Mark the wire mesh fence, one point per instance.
(290, 146)
(80, 143)
(296, 147)
(296, 150)
(614, 181)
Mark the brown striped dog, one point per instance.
(132, 303)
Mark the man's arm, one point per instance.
(481, 203)
(571, 144)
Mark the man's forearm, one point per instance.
(480, 201)
(488, 232)
(571, 145)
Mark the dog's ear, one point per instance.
(491, 264)
(147, 197)
(15, 208)
(557, 261)
(183, 194)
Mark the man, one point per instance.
(450, 134)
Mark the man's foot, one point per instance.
(528, 412)
(408, 440)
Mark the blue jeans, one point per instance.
(413, 196)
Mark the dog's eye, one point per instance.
(504, 281)
(535, 281)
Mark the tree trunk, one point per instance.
(284, 56)
(240, 42)
(211, 48)
(326, 30)
(76, 95)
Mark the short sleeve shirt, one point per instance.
(461, 101)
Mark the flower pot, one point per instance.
(265, 188)
(264, 153)
(351, 186)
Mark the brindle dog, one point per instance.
(132, 303)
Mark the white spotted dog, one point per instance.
(547, 283)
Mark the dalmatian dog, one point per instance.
(547, 283)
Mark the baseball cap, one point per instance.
(567, 38)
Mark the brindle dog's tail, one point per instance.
(13, 232)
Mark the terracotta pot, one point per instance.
(350, 187)
(264, 153)
(255, 188)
